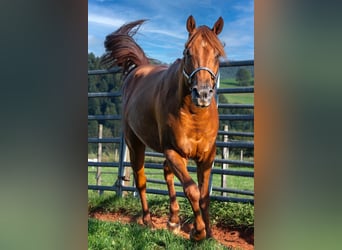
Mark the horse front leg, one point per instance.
(178, 165)
(203, 177)
(173, 223)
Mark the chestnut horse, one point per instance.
(171, 110)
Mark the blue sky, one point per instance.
(164, 34)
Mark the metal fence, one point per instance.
(224, 167)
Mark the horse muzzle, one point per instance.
(201, 97)
(201, 94)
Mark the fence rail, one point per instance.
(120, 166)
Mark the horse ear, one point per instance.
(190, 24)
(218, 26)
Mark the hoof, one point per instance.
(148, 223)
(147, 220)
(197, 236)
(209, 235)
(173, 227)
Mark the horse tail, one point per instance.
(122, 50)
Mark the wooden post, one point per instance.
(116, 155)
(99, 159)
(241, 155)
(127, 172)
(225, 156)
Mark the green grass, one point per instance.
(234, 215)
(116, 235)
(243, 98)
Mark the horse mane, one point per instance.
(122, 50)
(209, 36)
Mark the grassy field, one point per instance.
(115, 235)
(243, 98)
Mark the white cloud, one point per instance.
(170, 33)
(103, 20)
(238, 33)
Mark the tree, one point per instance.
(243, 77)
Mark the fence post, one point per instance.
(225, 156)
(127, 172)
(119, 181)
(99, 159)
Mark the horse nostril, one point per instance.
(195, 91)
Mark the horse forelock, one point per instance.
(208, 38)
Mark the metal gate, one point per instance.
(225, 168)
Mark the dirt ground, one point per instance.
(238, 239)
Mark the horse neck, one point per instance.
(175, 82)
(178, 77)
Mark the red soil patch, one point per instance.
(238, 239)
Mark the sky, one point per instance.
(163, 36)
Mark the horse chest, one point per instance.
(194, 139)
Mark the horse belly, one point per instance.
(139, 114)
(147, 132)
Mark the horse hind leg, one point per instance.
(173, 222)
(137, 157)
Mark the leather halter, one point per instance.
(213, 75)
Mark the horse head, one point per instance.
(201, 60)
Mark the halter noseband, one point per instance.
(189, 77)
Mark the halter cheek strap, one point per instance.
(189, 77)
